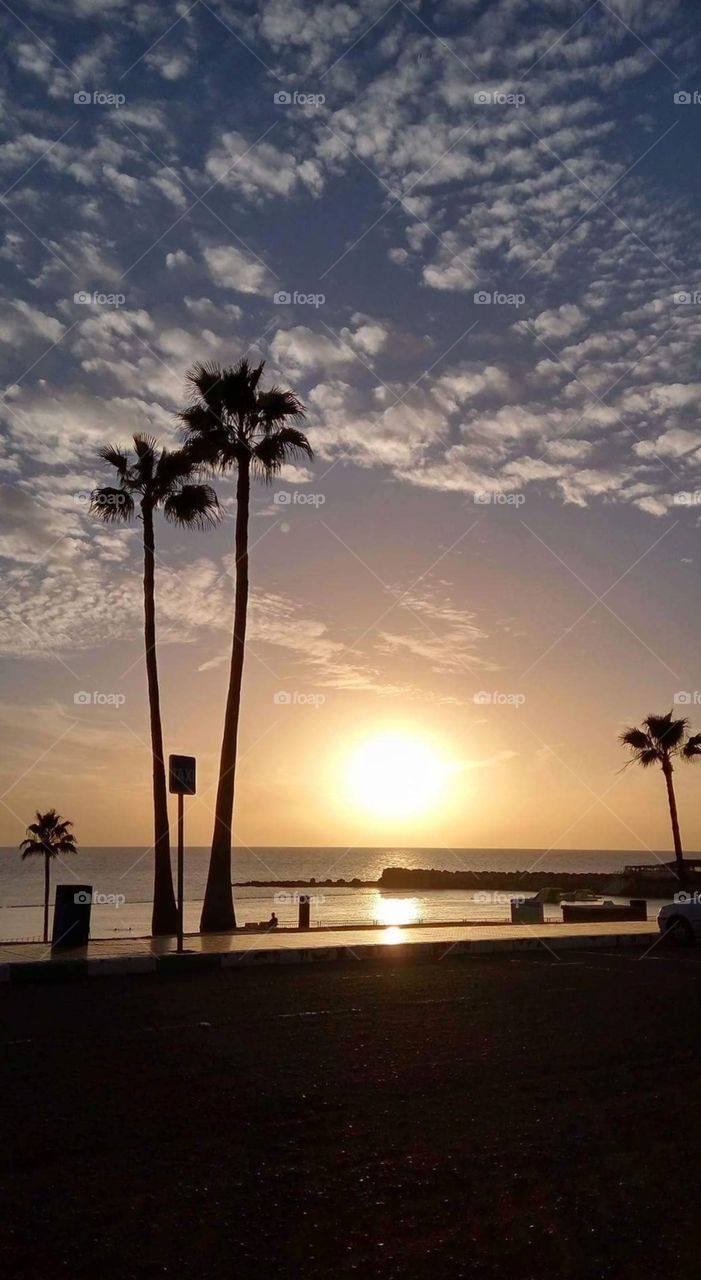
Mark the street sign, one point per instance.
(182, 772)
(182, 780)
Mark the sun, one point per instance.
(394, 775)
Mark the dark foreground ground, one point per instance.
(520, 1117)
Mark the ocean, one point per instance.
(121, 879)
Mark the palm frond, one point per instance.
(692, 748)
(49, 835)
(284, 445)
(636, 739)
(207, 380)
(116, 457)
(172, 467)
(665, 731)
(276, 405)
(111, 505)
(193, 506)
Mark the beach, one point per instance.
(506, 1117)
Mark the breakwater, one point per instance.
(411, 879)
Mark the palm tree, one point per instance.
(50, 836)
(156, 480)
(234, 424)
(661, 740)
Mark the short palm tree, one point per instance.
(234, 425)
(155, 479)
(51, 837)
(660, 741)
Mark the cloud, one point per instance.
(230, 268)
(559, 323)
(260, 170)
(30, 530)
(20, 322)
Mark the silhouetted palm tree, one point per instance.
(660, 740)
(234, 424)
(50, 836)
(156, 480)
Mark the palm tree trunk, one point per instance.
(164, 918)
(681, 869)
(218, 914)
(47, 889)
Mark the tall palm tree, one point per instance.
(155, 480)
(660, 741)
(51, 837)
(233, 424)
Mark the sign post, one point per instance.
(182, 776)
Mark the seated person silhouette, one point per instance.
(273, 921)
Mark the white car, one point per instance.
(681, 919)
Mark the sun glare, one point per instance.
(397, 911)
(395, 776)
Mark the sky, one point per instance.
(466, 235)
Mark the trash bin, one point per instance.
(71, 916)
(304, 909)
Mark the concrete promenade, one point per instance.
(26, 962)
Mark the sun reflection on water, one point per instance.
(394, 911)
